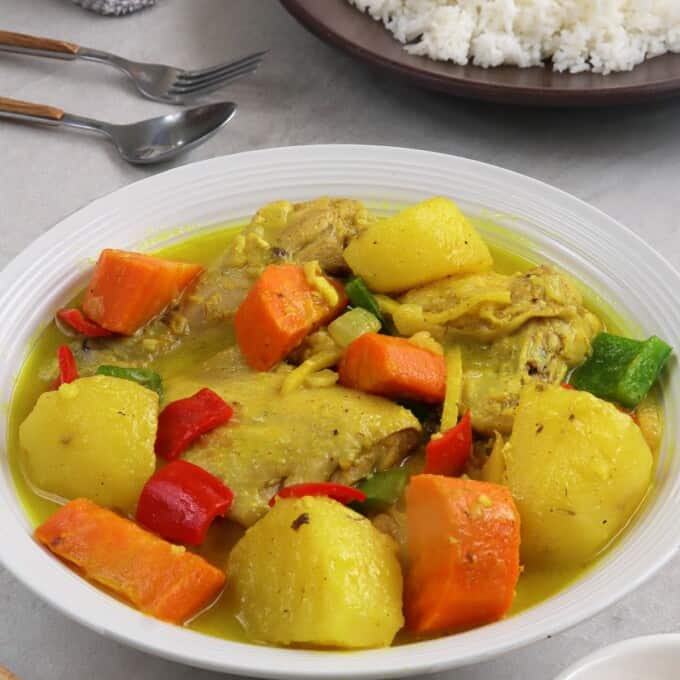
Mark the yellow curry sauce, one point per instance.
(219, 620)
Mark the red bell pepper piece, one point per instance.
(180, 502)
(68, 371)
(77, 321)
(567, 386)
(448, 454)
(182, 422)
(338, 492)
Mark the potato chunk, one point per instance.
(314, 572)
(577, 468)
(423, 243)
(92, 438)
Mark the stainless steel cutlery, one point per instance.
(155, 81)
(149, 141)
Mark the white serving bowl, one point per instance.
(552, 226)
(652, 657)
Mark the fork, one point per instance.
(155, 81)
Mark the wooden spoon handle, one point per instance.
(31, 42)
(27, 109)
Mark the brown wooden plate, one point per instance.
(342, 25)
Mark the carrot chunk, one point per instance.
(393, 367)
(159, 578)
(127, 289)
(463, 542)
(280, 310)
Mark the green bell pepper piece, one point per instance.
(143, 376)
(359, 296)
(382, 489)
(621, 369)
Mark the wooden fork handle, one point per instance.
(14, 106)
(32, 42)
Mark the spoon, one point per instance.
(149, 141)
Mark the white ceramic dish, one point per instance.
(553, 226)
(652, 657)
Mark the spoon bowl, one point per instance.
(156, 140)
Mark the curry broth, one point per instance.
(219, 620)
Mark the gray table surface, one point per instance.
(624, 161)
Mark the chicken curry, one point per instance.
(333, 430)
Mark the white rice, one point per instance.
(577, 35)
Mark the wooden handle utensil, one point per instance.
(29, 109)
(31, 42)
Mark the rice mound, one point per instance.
(577, 35)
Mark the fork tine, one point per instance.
(208, 86)
(193, 88)
(201, 74)
(249, 64)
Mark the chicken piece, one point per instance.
(320, 230)
(281, 231)
(486, 307)
(542, 350)
(513, 329)
(308, 435)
